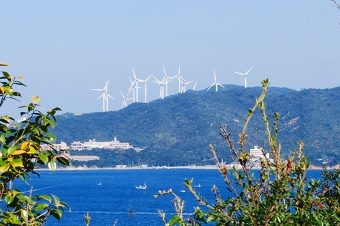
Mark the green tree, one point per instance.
(21, 153)
(279, 194)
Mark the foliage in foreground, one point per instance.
(21, 153)
(279, 194)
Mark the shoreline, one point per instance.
(207, 167)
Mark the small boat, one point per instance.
(182, 190)
(197, 186)
(141, 187)
(100, 183)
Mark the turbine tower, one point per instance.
(245, 76)
(215, 83)
(136, 87)
(105, 95)
(107, 99)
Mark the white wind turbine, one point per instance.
(144, 81)
(183, 86)
(136, 87)
(124, 104)
(107, 99)
(161, 87)
(215, 83)
(105, 95)
(179, 78)
(166, 79)
(133, 88)
(245, 76)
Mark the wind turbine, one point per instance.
(136, 87)
(166, 77)
(133, 88)
(161, 88)
(179, 78)
(107, 99)
(215, 83)
(144, 81)
(245, 76)
(105, 95)
(183, 86)
(124, 104)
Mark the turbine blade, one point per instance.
(211, 86)
(148, 78)
(248, 70)
(134, 73)
(122, 94)
(194, 86)
(110, 96)
(238, 73)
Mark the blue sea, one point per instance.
(117, 199)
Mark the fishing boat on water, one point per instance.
(141, 187)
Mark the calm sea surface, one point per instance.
(117, 199)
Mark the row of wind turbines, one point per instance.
(163, 84)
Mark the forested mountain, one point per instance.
(178, 129)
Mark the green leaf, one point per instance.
(41, 206)
(4, 167)
(16, 163)
(46, 197)
(10, 150)
(63, 161)
(24, 214)
(56, 213)
(174, 220)
(43, 157)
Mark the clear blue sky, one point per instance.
(65, 48)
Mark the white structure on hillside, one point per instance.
(59, 147)
(114, 144)
(257, 153)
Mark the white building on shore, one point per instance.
(258, 153)
(114, 144)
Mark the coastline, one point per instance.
(207, 167)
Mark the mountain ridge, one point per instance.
(179, 128)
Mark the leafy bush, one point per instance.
(279, 194)
(21, 153)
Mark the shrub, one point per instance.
(21, 153)
(279, 194)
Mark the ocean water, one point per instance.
(117, 199)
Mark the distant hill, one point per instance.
(178, 129)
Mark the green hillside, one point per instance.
(178, 129)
